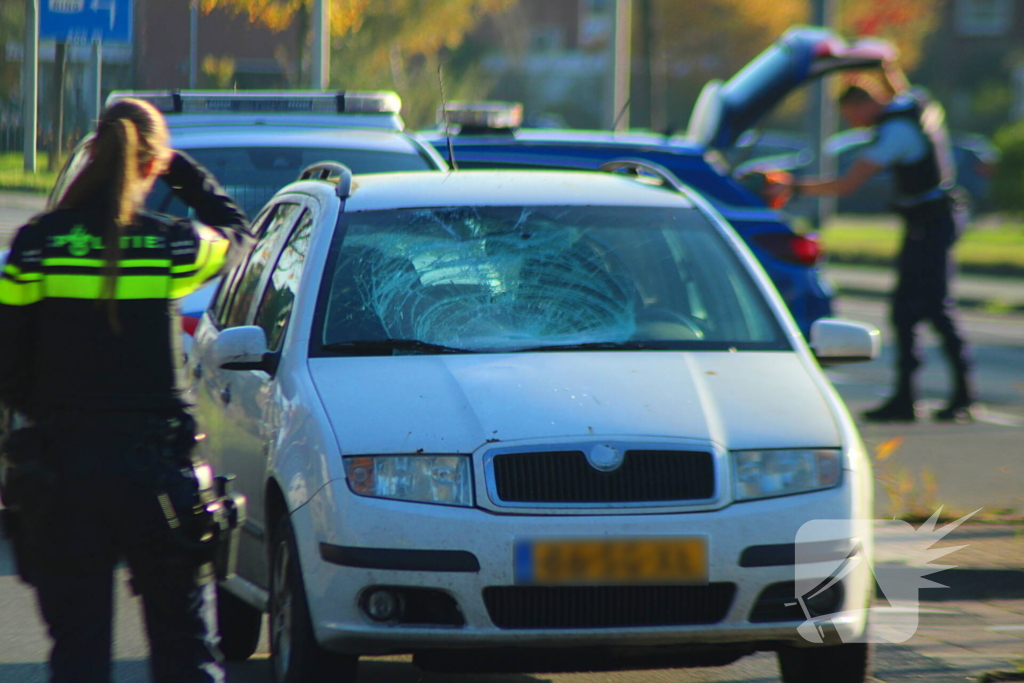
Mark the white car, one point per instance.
(526, 421)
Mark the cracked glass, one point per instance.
(531, 278)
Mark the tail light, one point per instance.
(189, 323)
(785, 246)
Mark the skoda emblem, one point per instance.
(604, 458)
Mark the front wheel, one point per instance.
(846, 663)
(295, 655)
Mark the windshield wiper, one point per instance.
(590, 346)
(383, 347)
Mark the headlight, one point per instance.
(762, 474)
(443, 479)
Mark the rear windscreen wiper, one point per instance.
(386, 347)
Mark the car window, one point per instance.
(252, 175)
(244, 290)
(283, 284)
(219, 305)
(514, 278)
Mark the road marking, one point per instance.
(983, 414)
(914, 610)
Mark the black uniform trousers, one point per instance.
(924, 271)
(100, 507)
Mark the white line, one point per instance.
(1014, 627)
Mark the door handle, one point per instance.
(225, 395)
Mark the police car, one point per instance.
(488, 135)
(526, 421)
(256, 142)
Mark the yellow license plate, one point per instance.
(666, 559)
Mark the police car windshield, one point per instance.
(537, 278)
(252, 175)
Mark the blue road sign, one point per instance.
(86, 21)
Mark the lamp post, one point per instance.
(320, 62)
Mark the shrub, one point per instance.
(1008, 184)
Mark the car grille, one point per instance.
(554, 607)
(567, 477)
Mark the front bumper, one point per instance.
(336, 592)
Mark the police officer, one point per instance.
(89, 355)
(911, 138)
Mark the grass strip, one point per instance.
(992, 245)
(13, 177)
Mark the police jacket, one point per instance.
(933, 175)
(69, 341)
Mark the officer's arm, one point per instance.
(21, 294)
(199, 189)
(859, 172)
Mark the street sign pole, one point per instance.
(95, 84)
(193, 43)
(320, 61)
(30, 84)
(822, 120)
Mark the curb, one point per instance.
(975, 584)
(961, 302)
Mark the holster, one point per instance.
(27, 486)
(201, 510)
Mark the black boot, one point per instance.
(899, 408)
(959, 408)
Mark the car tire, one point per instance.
(295, 656)
(846, 663)
(239, 624)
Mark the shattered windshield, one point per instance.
(537, 278)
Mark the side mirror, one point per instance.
(843, 341)
(243, 348)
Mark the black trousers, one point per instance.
(104, 508)
(922, 290)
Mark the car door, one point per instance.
(254, 408)
(232, 445)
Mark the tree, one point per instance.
(906, 23)
(12, 31)
(715, 38)
(384, 44)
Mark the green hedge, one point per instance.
(1008, 185)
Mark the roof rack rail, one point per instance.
(640, 168)
(333, 172)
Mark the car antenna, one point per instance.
(447, 126)
(622, 112)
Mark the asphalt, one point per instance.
(992, 293)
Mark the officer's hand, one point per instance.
(777, 192)
(181, 171)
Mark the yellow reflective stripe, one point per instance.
(212, 255)
(62, 286)
(20, 276)
(99, 263)
(20, 293)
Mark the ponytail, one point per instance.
(130, 134)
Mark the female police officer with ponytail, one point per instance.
(89, 356)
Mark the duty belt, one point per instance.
(910, 201)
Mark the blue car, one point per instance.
(489, 137)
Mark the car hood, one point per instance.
(724, 111)
(456, 403)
